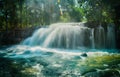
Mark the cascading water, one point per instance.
(72, 36)
(59, 36)
(100, 37)
(110, 36)
(63, 50)
(92, 39)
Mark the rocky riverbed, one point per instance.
(22, 61)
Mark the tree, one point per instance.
(93, 10)
(8, 13)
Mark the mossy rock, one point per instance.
(103, 73)
(91, 64)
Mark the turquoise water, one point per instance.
(63, 50)
(24, 51)
(37, 61)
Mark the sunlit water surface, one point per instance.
(50, 62)
(63, 50)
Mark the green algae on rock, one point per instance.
(100, 63)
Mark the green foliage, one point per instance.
(18, 14)
(15, 14)
(65, 17)
(77, 14)
(8, 15)
(92, 10)
(32, 14)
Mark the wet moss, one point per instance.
(103, 73)
(100, 63)
(29, 71)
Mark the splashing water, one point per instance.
(71, 36)
(64, 50)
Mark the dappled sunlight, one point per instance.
(59, 38)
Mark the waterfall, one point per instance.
(72, 36)
(110, 36)
(92, 39)
(100, 37)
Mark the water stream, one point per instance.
(72, 36)
(64, 50)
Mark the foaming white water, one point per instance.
(59, 36)
(21, 51)
(61, 50)
(71, 36)
(44, 62)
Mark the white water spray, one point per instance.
(71, 36)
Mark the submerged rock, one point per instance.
(84, 54)
(96, 66)
(104, 73)
(53, 64)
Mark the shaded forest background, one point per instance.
(19, 16)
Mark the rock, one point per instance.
(84, 55)
(110, 73)
(92, 74)
(104, 73)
